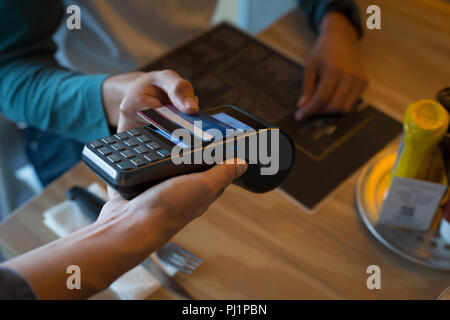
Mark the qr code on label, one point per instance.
(407, 211)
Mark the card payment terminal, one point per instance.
(174, 143)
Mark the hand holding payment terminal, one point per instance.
(175, 143)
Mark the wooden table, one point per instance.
(265, 246)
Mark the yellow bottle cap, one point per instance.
(426, 118)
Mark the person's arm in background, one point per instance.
(35, 90)
(334, 76)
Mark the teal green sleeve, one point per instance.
(316, 10)
(38, 92)
(34, 89)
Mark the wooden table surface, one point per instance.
(266, 246)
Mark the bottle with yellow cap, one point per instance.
(419, 156)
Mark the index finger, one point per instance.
(220, 176)
(323, 93)
(179, 90)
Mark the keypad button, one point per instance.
(124, 165)
(122, 136)
(144, 139)
(153, 145)
(131, 142)
(118, 147)
(151, 157)
(114, 158)
(109, 140)
(104, 151)
(164, 153)
(128, 154)
(138, 162)
(134, 132)
(141, 149)
(96, 144)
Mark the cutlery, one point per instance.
(179, 258)
(165, 279)
(89, 203)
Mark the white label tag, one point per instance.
(411, 203)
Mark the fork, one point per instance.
(179, 258)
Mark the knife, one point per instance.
(89, 203)
(165, 279)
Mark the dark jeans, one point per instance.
(50, 154)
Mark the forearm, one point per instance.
(34, 89)
(125, 233)
(38, 92)
(114, 89)
(337, 23)
(103, 251)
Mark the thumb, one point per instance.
(221, 175)
(194, 191)
(128, 118)
(180, 91)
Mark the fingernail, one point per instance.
(299, 115)
(191, 104)
(241, 167)
(301, 101)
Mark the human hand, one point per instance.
(163, 210)
(125, 233)
(126, 94)
(334, 76)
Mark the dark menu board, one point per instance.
(227, 66)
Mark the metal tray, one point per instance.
(425, 248)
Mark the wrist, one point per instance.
(337, 24)
(114, 89)
(147, 226)
(45, 267)
(135, 230)
(123, 242)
